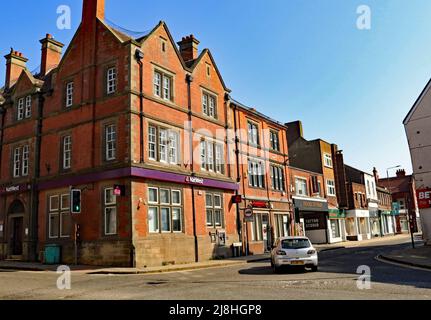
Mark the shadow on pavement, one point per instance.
(347, 260)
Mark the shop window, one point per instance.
(59, 222)
(165, 210)
(110, 212)
(214, 210)
(281, 225)
(335, 228)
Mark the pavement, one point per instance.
(25, 266)
(29, 266)
(340, 277)
(419, 257)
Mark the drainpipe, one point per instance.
(3, 117)
(34, 190)
(189, 80)
(139, 55)
(238, 179)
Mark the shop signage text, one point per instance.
(15, 188)
(195, 180)
(424, 198)
(308, 205)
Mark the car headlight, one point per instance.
(311, 252)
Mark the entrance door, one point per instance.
(17, 235)
(266, 232)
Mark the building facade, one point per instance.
(405, 204)
(318, 156)
(387, 219)
(262, 172)
(417, 125)
(140, 127)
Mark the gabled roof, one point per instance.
(195, 63)
(27, 74)
(396, 184)
(417, 102)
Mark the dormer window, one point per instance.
(20, 109)
(69, 94)
(28, 107)
(111, 77)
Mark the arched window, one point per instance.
(16, 207)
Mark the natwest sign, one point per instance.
(424, 198)
(14, 188)
(195, 180)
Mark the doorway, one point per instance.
(17, 236)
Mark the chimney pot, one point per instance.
(15, 64)
(51, 54)
(189, 48)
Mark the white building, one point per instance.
(418, 129)
(373, 204)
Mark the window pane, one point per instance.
(163, 145)
(209, 217)
(217, 201)
(166, 219)
(65, 201)
(65, 224)
(153, 195)
(176, 219)
(209, 200)
(54, 203)
(164, 196)
(152, 142)
(111, 220)
(176, 197)
(54, 225)
(218, 217)
(110, 198)
(153, 219)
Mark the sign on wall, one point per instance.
(424, 198)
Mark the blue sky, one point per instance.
(291, 59)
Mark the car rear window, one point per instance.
(295, 244)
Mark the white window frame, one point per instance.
(111, 80)
(66, 142)
(60, 212)
(277, 178)
(17, 162)
(20, 109)
(163, 85)
(274, 139)
(157, 84)
(253, 133)
(297, 179)
(209, 105)
(256, 177)
(152, 142)
(111, 207)
(330, 188)
(212, 207)
(28, 102)
(110, 142)
(69, 94)
(328, 160)
(170, 206)
(25, 160)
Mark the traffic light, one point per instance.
(77, 232)
(75, 199)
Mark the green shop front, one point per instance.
(336, 225)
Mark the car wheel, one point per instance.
(314, 268)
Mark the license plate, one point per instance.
(297, 263)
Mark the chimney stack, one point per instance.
(51, 54)
(93, 9)
(189, 48)
(376, 174)
(401, 173)
(294, 131)
(15, 64)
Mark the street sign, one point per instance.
(248, 215)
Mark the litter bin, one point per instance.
(52, 254)
(236, 249)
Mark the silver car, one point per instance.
(294, 251)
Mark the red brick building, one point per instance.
(139, 114)
(262, 172)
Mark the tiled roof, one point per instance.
(396, 184)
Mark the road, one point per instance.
(336, 279)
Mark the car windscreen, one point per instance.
(295, 244)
